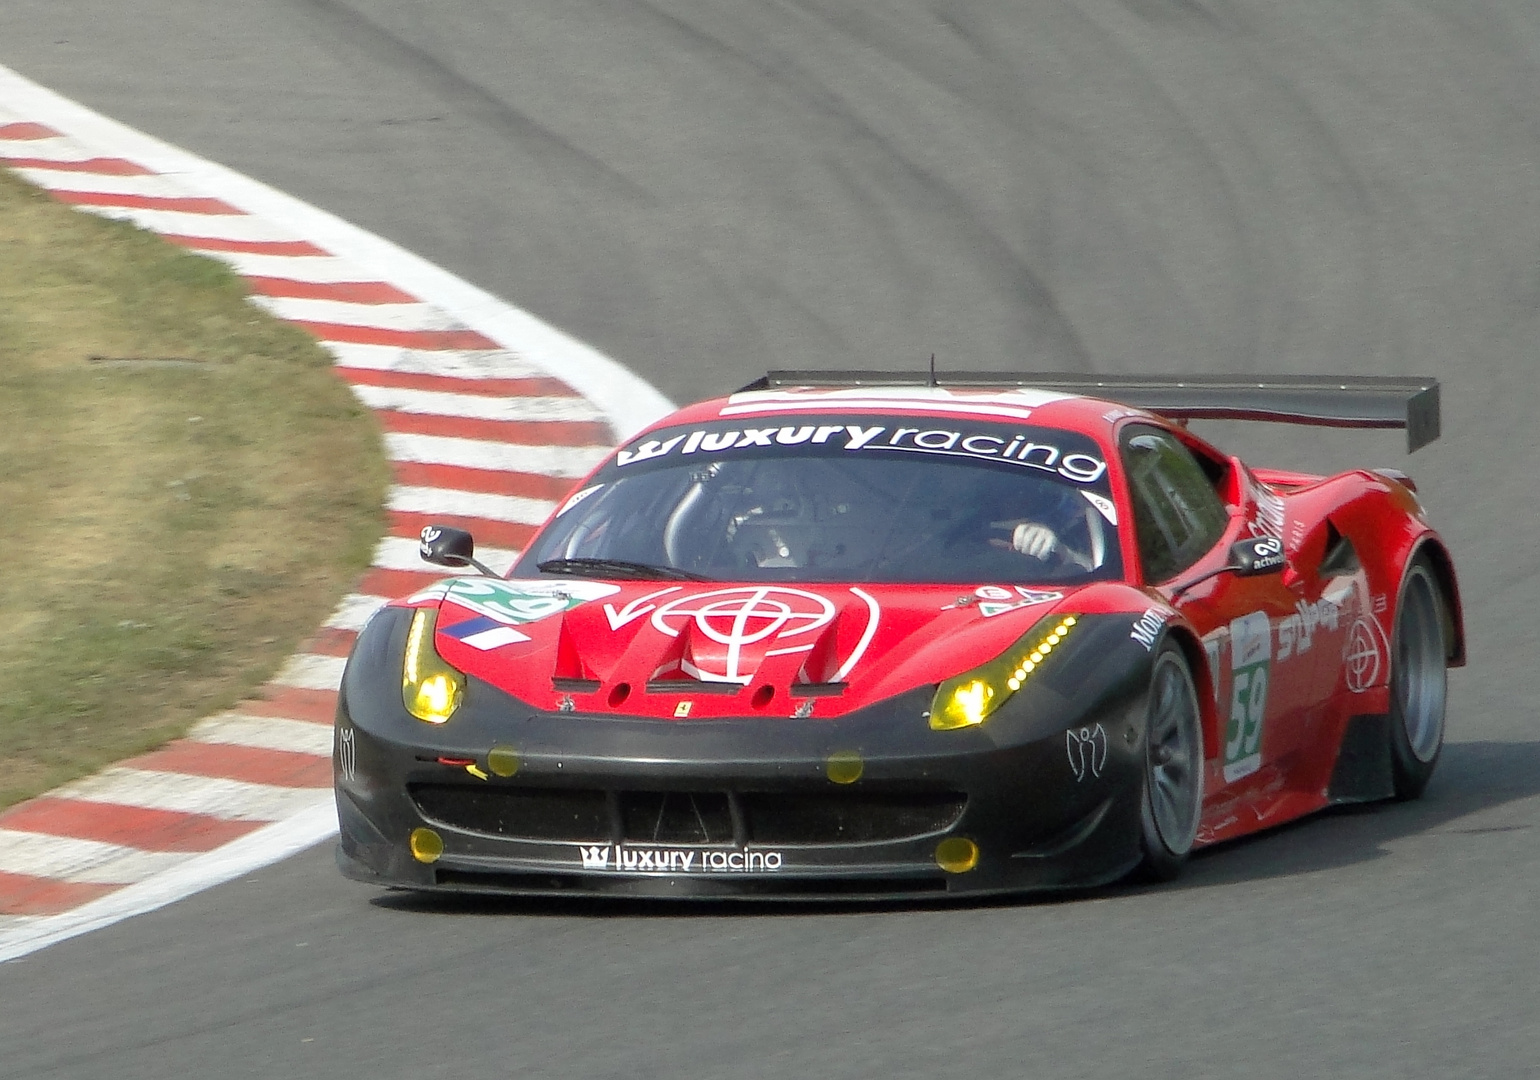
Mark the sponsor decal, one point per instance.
(804, 708)
(748, 615)
(577, 497)
(1364, 663)
(1104, 506)
(1296, 634)
(997, 600)
(1251, 648)
(1147, 628)
(523, 601)
(484, 633)
(347, 754)
(426, 539)
(626, 858)
(1269, 519)
(566, 704)
(1020, 450)
(1087, 748)
(1122, 412)
(1267, 553)
(642, 605)
(682, 710)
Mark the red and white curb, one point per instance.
(489, 416)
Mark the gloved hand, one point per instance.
(1038, 541)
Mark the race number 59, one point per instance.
(1251, 652)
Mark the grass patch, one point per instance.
(188, 490)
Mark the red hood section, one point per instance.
(712, 649)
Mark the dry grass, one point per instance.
(187, 489)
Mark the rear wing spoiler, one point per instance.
(1347, 401)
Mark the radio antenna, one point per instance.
(933, 381)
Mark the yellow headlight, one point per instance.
(430, 688)
(970, 698)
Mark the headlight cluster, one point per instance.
(430, 688)
(970, 698)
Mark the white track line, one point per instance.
(385, 316)
(265, 732)
(63, 180)
(211, 226)
(66, 858)
(54, 149)
(183, 793)
(476, 504)
(454, 363)
(473, 406)
(354, 611)
(309, 671)
(570, 462)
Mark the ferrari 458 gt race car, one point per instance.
(856, 634)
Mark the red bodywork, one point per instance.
(1324, 656)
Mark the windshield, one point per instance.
(835, 501)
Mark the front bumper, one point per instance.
(750, 807)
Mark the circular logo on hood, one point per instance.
(747, 615)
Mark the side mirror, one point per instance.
(1256, 556)
(444, 546)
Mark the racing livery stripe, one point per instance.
(481, 431)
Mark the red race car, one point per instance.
(856, 634)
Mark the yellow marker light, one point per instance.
(503, 760)
(957, 854)
(426, 845)
(970, 698)
(430, 688)
(845, 767)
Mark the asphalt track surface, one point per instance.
(705, 191)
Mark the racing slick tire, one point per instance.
(1419, 681)
(1173, 767)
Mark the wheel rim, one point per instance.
(1174, 755)
(1418, 678)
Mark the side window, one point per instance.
(1177, 514)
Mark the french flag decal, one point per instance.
(484, 633)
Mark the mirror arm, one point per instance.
(1200, 579)
(486, 571)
